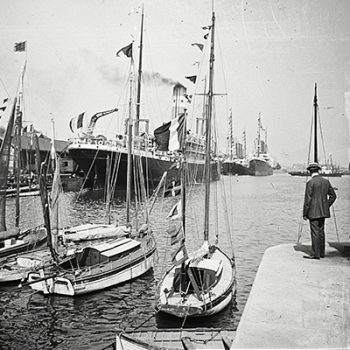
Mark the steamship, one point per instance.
(159, 151)
(260, 161)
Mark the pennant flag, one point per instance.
(20, 47)
(200, 46)
(4, 106)
(175, 234)
(179, 255)
(28, 129)
(76, 122)
(176, 136)
(207, 27)
(192, 78)
(176, 211)
(127, 51)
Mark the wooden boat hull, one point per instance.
(32, 239)
(170, 338)
(191, 306)
(16, 268)
(98, 278)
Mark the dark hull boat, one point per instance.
(259, 167)
(307, 173)
(92, 156)
(234, 168)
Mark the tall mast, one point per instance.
(5, 150)
(315, 126)
(230, 141)
(138, 101)
(18, 132)
(208, 131)
(128, 179)
(259, 127)
(245, 144)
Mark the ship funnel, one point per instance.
(179, 100)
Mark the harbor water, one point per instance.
(263, 211)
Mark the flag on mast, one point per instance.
(126, 50)
(20, 46)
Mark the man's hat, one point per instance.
(313, 166)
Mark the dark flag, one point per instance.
(4, 106)
(192, 78)
(20, 47)
(200, 46)
(80, 120)
(127, 51)
(162, 135)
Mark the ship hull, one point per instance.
(232, 168)
(259, 167)
(94, 162)
(307, 173)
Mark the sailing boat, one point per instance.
(260, 162)
(14, 241)
(101, 265)
(236, 163)
(201, 283)
(326, 170)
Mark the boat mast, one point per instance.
(259, 142)
(18, 132)
(128, 178)
(230, 140)
(4, 164)
(315, 126)
(138, 101)
(208, 131)
(245, 144)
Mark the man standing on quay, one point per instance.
(319, 196)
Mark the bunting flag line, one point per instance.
(76, 122)
(200, 46)
(192, 78)
(127, 51)
(175, 211)
(4, 106)
(20, 47)
(176, 234)
(28, 129)
(179, 255)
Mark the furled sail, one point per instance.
(4, 164)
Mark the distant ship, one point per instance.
(260, 161)
(328, 170)
(98, 156)
(235, 163)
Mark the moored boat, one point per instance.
(200, 283)
(102, 265)
(260, 162)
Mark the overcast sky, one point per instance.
(272, 53)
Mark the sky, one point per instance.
(269, 55)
